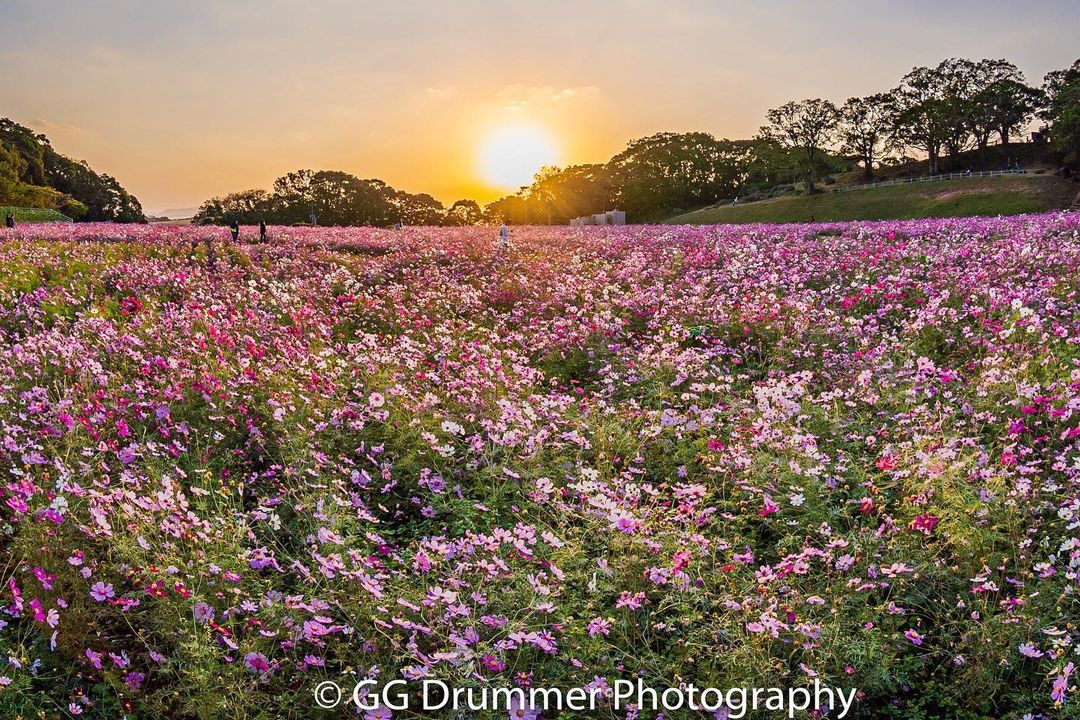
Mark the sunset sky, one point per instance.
(184, 100)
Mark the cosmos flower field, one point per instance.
(738, 456)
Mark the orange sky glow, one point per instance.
(181, 101)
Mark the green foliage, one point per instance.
(464, 212)
(949, 198)
(47, 179)
(806, 127)
(658, 174)
(326, 197)
(1063, 111)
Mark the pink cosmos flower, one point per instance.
(1061, 684)
(887, 462)
(521, 712)
(1030, 651)
(102, 592)
(599, 626)
(256, 662)
(924, 523)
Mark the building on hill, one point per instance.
(611, 217)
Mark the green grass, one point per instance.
(949, 198)
(33, 214)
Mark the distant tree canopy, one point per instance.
(464, 212)
(657, 174)
(32, 174)
(676, 170)
(326, 197)
(959, 105)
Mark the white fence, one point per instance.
(935, 178)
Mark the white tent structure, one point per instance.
(611, 217)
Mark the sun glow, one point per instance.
(511, 155)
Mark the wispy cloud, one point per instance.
(442, 92)
(56, 128)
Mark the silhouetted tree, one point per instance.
(464, 212)
(246, 207)
(675, 170)
(1062, 111)
(865, 128)
(1003, 102)
(808, 126)
(922, 117)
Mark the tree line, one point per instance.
(333, 197)
(941, 113)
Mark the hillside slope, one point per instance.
(34, 175)
(949, 198)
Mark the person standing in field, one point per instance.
(234, 228)
(10, 221)
(262, 231)
(504, 236)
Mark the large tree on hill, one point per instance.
(1062, 111)
(808, 126)
(961, 104)
(958, 85)
(674, 170)
(922, 116)
(1004, 102)
(865, 128)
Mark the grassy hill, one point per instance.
(949, 198)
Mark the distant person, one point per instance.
(10, 221)
(504, 237)
(262, 231)
(735, 201)
(234, 228)
(211, 256)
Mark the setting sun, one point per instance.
(511, 155)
